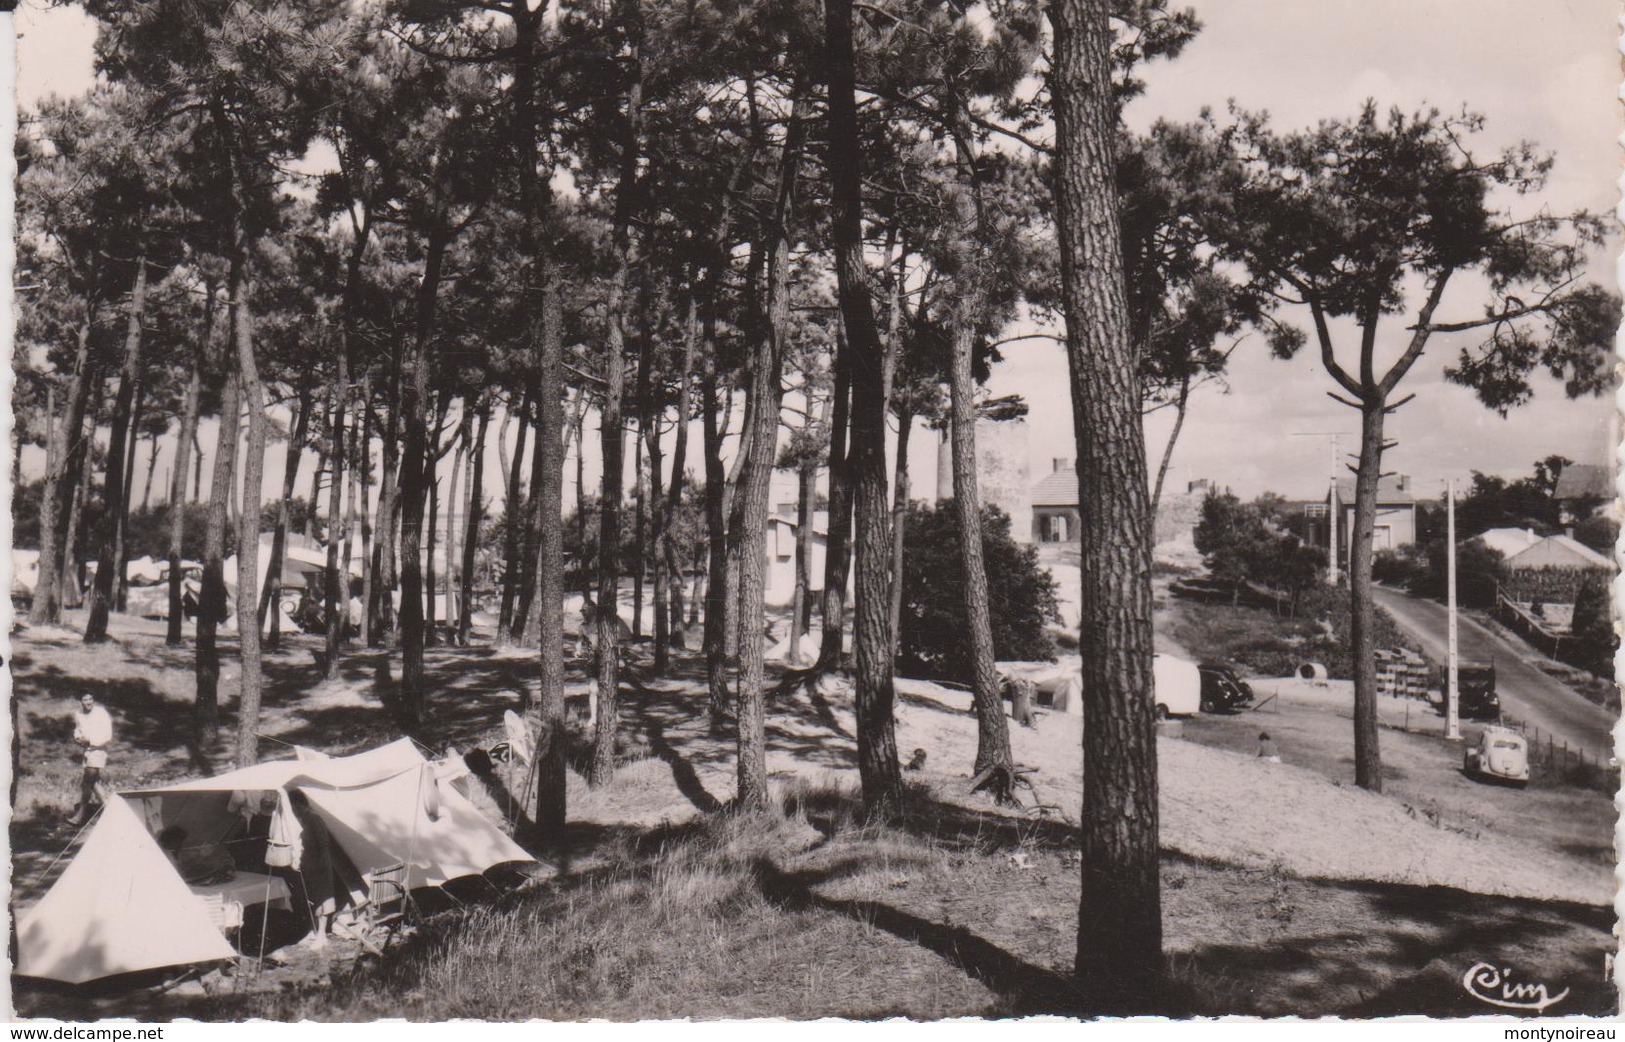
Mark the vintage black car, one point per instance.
(1475, 691)
(1222, 690)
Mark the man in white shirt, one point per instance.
(93, 730)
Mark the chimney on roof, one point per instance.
(1057, 465)
(1403, 482)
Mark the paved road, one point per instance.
(1526, 693)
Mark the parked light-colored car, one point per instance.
(1499, 753)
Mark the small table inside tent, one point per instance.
(227, 900)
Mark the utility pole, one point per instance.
(1333, 506)
(1452, 719)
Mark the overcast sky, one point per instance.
(1546, 71)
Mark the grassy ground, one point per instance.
(662, 906)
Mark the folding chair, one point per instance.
(388, 903)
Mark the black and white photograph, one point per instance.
(733, 510)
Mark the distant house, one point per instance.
(1550, 569)
(1056, 515)
(781, 553)
(1055, 505)
(1582, 488)
(1396, 516)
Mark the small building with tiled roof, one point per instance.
(1582, 488)
(1396, 516)
(1055, 505)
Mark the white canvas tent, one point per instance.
(121, 907)
(1059, 684)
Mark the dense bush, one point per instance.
(1021, 595)
(1478, 573)
(1600, 532)
(1242, 543)
(1593, 626)
(1401, 567)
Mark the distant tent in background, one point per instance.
(121, 907)
(144, 571)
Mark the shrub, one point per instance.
(1593, 626)
(1021, 595)
(1398, 567)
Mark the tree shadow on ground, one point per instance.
(1026, 989)
(1409, 956)
(683, 773)
(948, 825)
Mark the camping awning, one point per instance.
(382, 806)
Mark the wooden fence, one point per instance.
(1556, 760)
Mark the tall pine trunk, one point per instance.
(877, 741)
(801, 598)
(993, 763)
(248, 520)
(455, 510)
(838, 529)
(549, 607)
(751, 499)
(657, 516)
(640, 512)
(547, 331)
(514, 508)
(212, 597)
(1181, 407)
(1119, 954)
(475, 515)
(716, 528)
(113, 486)
(79, 469)
(336, 574)
(611, 434)
(177, 478)
(899, 522)
(414, 465)
(120, 576)
(382, 621)
(1362, 605)
(434, 452)
(271, 600)
(679, 461)
(525, 630)
(56, 497)
(152, 468)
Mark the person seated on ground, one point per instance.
(201, 863)
(1266, 748)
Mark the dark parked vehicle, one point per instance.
(1222, 690)
(1475, 692)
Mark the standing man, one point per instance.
(93, 731)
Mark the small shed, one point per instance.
(1055, 505)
